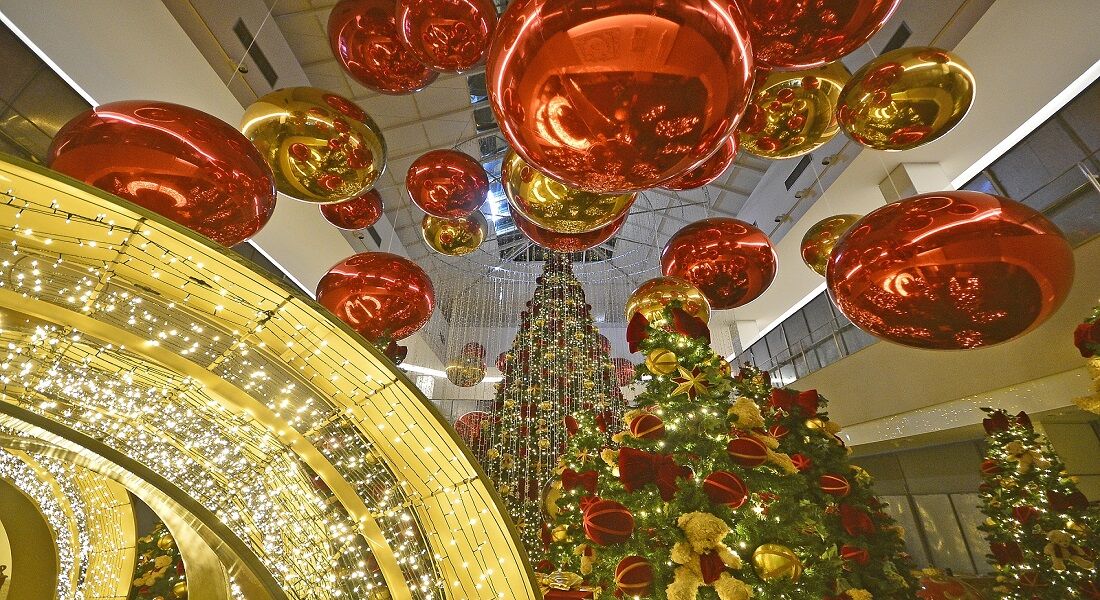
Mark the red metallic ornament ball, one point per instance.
(707, 172)
(173, 160)
(363, 36)
(607, 522)
(730, 261)
(614, 96)
(834, 485)
(951, 270)
(567, 242)
(447, 184)
(447, 35)
(633, 577)
(647, 426)
(468, 427)
(358, 213)
(795, 34)
(378, 294)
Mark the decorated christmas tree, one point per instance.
(692, 500)
(556, 369)
(159, 571)
(868, 540)
(1087, 339)
(1041, 530)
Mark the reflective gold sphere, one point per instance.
(553, 205)
(465, 371)
(322, 147)
(906, 98)
(775, 561)
(551, 493)
(454, 237)
(179, 590)
(793, 112)
(652, 296)
(821, 238)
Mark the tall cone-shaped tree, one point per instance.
(869, 541)
(556, 369)
(692, 500)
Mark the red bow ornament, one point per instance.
(789, 400)
(572, 480)
(638, 468)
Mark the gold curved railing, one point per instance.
(324, 462)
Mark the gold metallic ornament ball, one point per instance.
(179, 590)
(822, 237)
(551, 493)
(793, 112)
(166, 542)
(776, 561)
(661, 361)
(906, 98)
(454, 237)
(323, 148)
(654, 295)
(465, 371)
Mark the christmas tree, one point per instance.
(692, 500)
(556, 369)
(867, 539)
(1041, 530)
(159, 571)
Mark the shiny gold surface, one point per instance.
(652, 296)
(553, 205)
(454, 237)
(820, 239)
(793, 112)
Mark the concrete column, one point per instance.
(910, 179)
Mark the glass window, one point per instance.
(943, 534)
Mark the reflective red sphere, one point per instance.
(447, 35)
(469, 426)
(379, 295)
(730, 261)
(447, 184)
(707, 172)
(363, 37)
(796, 34)
(173, 160)
(950, 270)
(613, 96)
(567, 242)
(358, 213)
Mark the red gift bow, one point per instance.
(636, 331)
(999, 421)
(688, 325)
(1087, 337)
(786, 400)
(572, 480)
(1059, 501)
(855, 521)
(857, 554)
(571, 425)
(638, 468)
(711, 566)
(1006, 553)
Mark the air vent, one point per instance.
(898, 39)
(798, 170)
(254, 52)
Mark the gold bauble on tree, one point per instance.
(179, 590)
(652, 296)
(793, 112)
(551, 493)
(776, 561)
(906, 98)
(821, 238)
(454, 237)
(661, 362)
(166, 542)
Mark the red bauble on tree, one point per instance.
(834, 485)
(447, 184)
(856, 554)
(173, 160)
(447, 35)
(647, 426)
(730, 261)
(951, 270)
(747, 451)
(378, 294)
(609, 96)
(468, 427)
(358, 213)
(567, 242)
(707, 172)
(634, 577)
(794, 34)
(724, 487)
(363, 36)
(607, 522)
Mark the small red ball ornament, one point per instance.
(795, 34)
(747, 451)
(447, 184)
(707, 172)
(834, 485)
(363, 36)
(173, 160)
(358, 213)
(647, 426)
(990, 467)
(856, 554)
(618, 95)
(607, 522)
(801, 461)
(567, 242)
(730, 261)
(634, 577)
(447, 35)
(724, 487)
(951, 270)
(378, 294)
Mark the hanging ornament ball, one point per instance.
(551, 493)
(378, 294)
(607, 522)
(447, 184)
(730, 261)
(474, 349)
(724, 487)
(651, 298)
(775, 561)
(747, 451)
(173, 160)
(711, 169)
(447, 35)
(469, 426)
(937, 585)
(624, 371)
(555, 206)
(634, 577)
(613, 98)
(793, 113)
(906, 98)
(166, 542)
(358, 213)
(566, 242)
(647, 426)
(454, 237)
(661, 361)
(834, 485)
(951, 270)
(179, 590)
(322, 147)
(465, 371)
(795, 34)
(363, 37)
(822, 237)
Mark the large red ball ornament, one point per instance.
(469, 426)
(834, 485)
(447, 35)
(447, 184)
(607, 522)
(725, 487)
(796, 34)
(363, 37)
(567, 242)
(747, 451)
(633, 577)
(173, 160)
(707, 172)
(951, 270)
(378, 294)
(358, 213)
(619, 95)
(730, 261)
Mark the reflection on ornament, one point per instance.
(179, 590)
(951, 270)
(654, 295)
(775, 561)
(447, 184)
(379, 295)
(795, 34)
(567, 242)
(465, 371)
(454, 237)
(661, 361)
(906, 98)
(554, 206)
(822, 237)
(730, 261)
(358, 213)
(363, 37)
(322, 147)
(446, 35)
(469, 426)
(793, 113)
(707, 172)
(612, 98)
(551, 493)
(475, 349)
